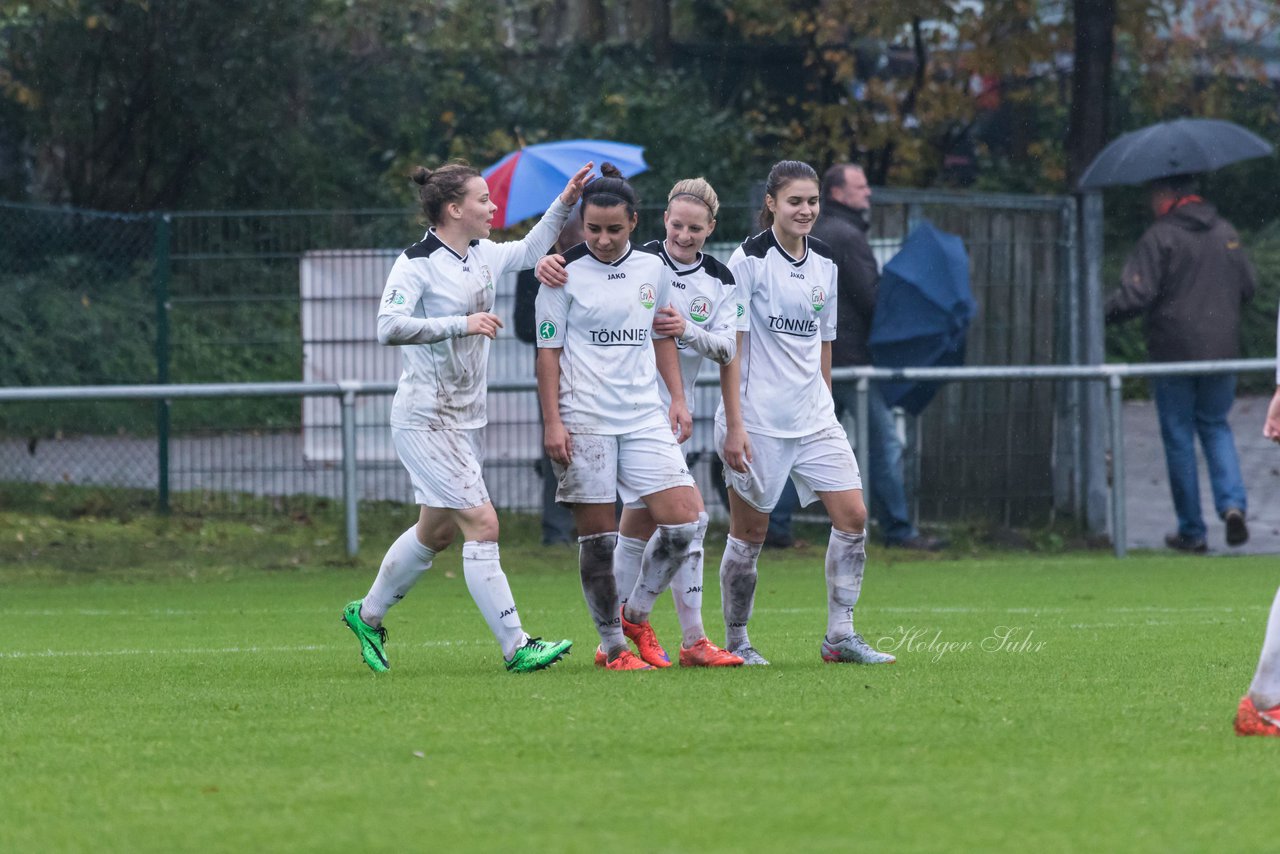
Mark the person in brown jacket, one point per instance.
(1188, 276)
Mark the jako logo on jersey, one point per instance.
(647, 296)
(613, 276)
(395, 297)
(791, 326)
(619, 337)
(546, 330)
(700, 309)
(818, 297)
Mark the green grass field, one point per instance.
(186, 686)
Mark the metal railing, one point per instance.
(347, 392)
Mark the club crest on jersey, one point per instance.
(818, 297)
(700, 309)
(486, 277)
(742, 309)
(647, 296)
(547, 330)
(395, 297)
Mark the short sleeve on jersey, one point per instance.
(551, 310)
(741, 267)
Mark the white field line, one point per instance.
(259, 650)
(1035, 612)
(153, 613)
(222, 650)
(1156, 623)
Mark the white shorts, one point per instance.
(631, 466)
(444, 466)
(819, 462)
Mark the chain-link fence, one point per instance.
(262, 296)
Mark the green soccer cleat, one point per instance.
(372, 641)
(537, 654)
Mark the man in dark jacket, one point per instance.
(557, 518)
(1189, 277)
(843, 224)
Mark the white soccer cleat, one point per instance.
(750, 656)
(855, 650)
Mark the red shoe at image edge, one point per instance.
(1250, 721)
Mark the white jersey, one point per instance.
(602, 320)
(429, 293)
(705, 295)
(788, 308)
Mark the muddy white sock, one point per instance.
(738, 589)
(664, 554)
(686, 589)
(492, 594)
(846, 560)
(595, 565)
(401, 568)
(1265, 688)
(627, 556)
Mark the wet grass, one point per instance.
(185, 685)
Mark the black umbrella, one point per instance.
(1179, 147)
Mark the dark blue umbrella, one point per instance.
(923, 310)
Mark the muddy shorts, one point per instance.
(444, 466)
(629, 466)
(819, 462)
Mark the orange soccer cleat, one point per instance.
(1250, 721)
(626, 660)
(641, 634)
(706, 654)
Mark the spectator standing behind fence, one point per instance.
(438, 307)
(557, 519)
(842, 225)
(1259, 710)
(1189, 277)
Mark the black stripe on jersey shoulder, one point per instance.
(717, 270)
(576, 253)
(659, 248)
(429, 245)
(770, 241)
(823, 248)
(759, 245)
(426, 247)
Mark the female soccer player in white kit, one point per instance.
(437, 306)
(777, 418)
(702, 319)
(1259, 709)
(605, 427)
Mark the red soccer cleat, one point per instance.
(1250, 721)
(626, 660)
(601, 658)
(641, 634)
(706, 654)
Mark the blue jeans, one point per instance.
(1191, 406)
(884, 464)
(557, 519)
